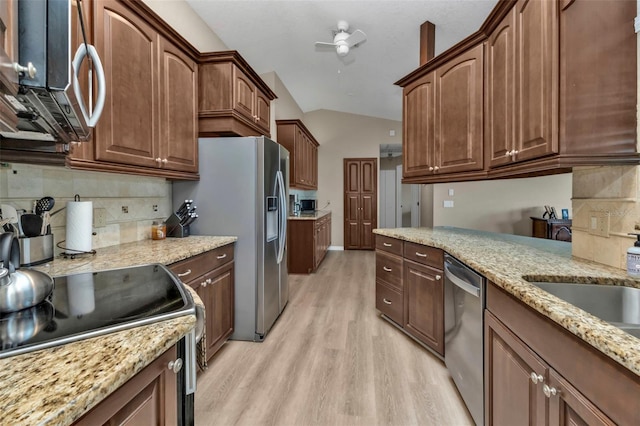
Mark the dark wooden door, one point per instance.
(458, 113)
(360, 202)
(424, 302)
(536, 79)
(179, 109)
(263, 111)
(128, 47)
(511, 395)
(219, 307)
(418, 127)
(243, 94)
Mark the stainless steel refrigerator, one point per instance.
(243, 191)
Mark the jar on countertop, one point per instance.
(158, 230)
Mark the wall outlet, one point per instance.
(99, 218)
(448, 203)
(599, 223)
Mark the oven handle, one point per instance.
(457, 281)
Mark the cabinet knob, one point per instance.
(430, 169)
(536, 378)
(175, 366)
(508, 153)
(29, 70)
(165, 161)
(203, 284)
(549, 391)
(438, 277)
(158, 160)
(387, 302)
(436, 168)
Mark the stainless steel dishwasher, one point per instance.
(464, 301)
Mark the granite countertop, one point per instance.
(510, 261)
(310, 216)
(58, 385)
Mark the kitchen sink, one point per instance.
(617, 305)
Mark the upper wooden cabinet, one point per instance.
(148, 125)
(233, 99)
(537, 90)
(303, 149)
(8, 55)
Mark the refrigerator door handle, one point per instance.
(283, 215)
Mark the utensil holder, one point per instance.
(175, 229)
(36, 250)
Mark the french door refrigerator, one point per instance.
(243, 191)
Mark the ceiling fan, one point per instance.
(343, 40)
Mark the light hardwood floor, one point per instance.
(329, 360)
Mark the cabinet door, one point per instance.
(536, 79)
(219, 307)
(367, 221)
(179, 109)
(500, 91)
(458, 118)
(299, 163)
(148, 398)
(424, 304)
(244, 93)
(351, 221)
(263, 111)
(8, 55)
(511, 396)
(567, 406)
(128, 47)
(418, 127)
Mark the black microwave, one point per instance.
(307, 205)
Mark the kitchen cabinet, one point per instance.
(410, 289)
(536, 372)
(148, 398)
(211, 275)
(308, 241)
(303, 149)
(148, 125)
(424, 295)
(232, 99)
(443, 118)
(360, 202)
(522, 78)
(550, 93)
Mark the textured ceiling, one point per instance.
(280, 35)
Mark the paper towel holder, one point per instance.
(66, 254)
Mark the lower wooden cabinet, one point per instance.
(424, 304)
(308, 241)
(148, 398)
(537, 373)
(211, 275)
(410, 289)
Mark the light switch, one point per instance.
(448, 203)
(451, 192)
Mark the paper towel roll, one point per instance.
(80, 294)
(79, 226)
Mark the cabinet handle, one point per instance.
(536, 378)
(175, 366)
(430, 169)
(184, 274)
(420, 254)
(549, 391)
(221, 256)
(387, 244)
(29, 70)
(165, 161)
(436, 168)
(508, 153)
(387, 302)
(158, 160)
(208, 280)
(387, 269)
(203, 284)
(438, 277)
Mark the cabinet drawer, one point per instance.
(193, 267)
(391, 245)
(390, 302)
(423, 254)
(389, 269)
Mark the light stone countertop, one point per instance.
(510, 260)
(310, 216)
(56, 386)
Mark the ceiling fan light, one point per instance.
(342, 49)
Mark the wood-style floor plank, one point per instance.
(329, 360)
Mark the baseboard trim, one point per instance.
(338, 248)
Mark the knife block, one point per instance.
(175, 229)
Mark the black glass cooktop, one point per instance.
(95, 303)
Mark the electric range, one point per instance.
(91, 304)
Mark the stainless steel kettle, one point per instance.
(19, 289)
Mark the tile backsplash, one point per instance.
(611, 194)
(131, 203)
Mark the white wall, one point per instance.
(501, 205)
